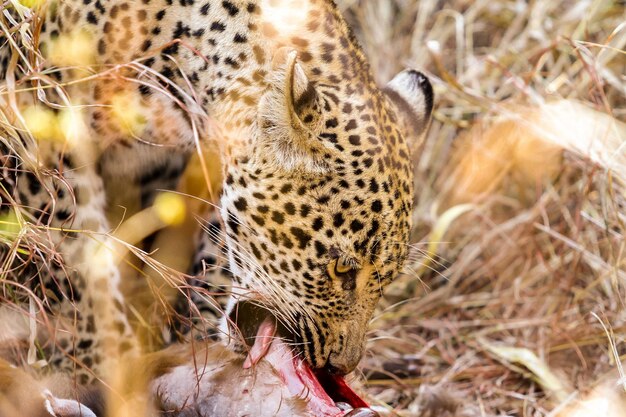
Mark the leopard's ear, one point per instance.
(411, 97)
(290, 114)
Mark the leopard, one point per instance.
(316, 198)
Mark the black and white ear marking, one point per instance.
(411, 93)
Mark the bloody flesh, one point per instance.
(319, 388)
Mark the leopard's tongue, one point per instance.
(299, 378)
(262, 343)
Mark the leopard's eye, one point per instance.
(342, 266)
(344, 270)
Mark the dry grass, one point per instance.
(514, 301)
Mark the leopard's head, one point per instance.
(318, 215)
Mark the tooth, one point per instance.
(262, 342)
(362, 412)
(343, 406)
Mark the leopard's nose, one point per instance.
(346, 360)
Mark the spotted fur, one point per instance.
(318, 184)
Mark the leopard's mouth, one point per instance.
(327, 394)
